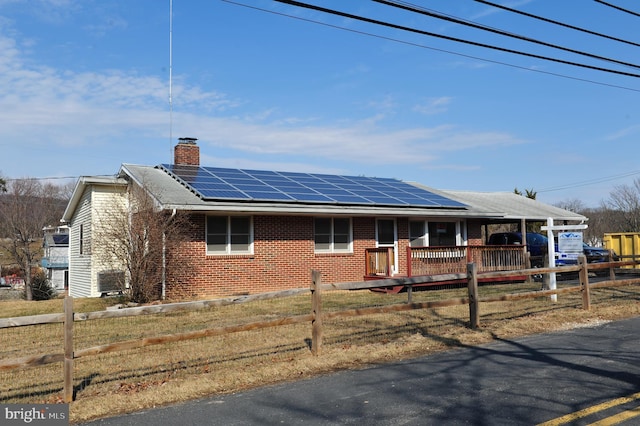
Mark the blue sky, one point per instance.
(85, 87)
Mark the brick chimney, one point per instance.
(186, 153)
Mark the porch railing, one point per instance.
(453, 260)
(448, 260)
(379, 262)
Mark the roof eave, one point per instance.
(82, 183)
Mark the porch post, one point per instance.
(523, 233)
(551, 250)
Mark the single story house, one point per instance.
(257, 231)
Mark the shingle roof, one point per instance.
(512, 206)
(171, 194)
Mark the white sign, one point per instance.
(570, 242)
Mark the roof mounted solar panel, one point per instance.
(215, 183)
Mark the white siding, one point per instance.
(80, 265)
(84, 268)
(107, 201)
(57, 279)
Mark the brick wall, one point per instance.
(283, 258)
(474, 233)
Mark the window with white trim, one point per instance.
(332, 235)
(229, 235)
(424, 233)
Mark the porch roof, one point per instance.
(512, 206)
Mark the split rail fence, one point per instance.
(315, 317)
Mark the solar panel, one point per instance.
(212, 183)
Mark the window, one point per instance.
(417, 234)
(84, 241)
(229, 235)
(434, 234)
(442, 234)
(332, 235)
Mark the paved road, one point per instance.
(526, 381)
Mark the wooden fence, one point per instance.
(315, 317)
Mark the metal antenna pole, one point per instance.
(170, 77)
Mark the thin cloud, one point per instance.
(488, 11)
(434, 105)
(358, 144)
(623, 133)
(44, 106)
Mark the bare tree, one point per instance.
(138, 238)
(625, 199)
(573, 205)
(25, 209)
(599, 223)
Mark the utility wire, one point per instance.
(413, 8)
(422, 46)
(562, 24)
(618, 7)
(459, 40)
(589, 182)
(48, 178)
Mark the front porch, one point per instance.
(380, 262)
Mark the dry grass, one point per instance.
(131, 380)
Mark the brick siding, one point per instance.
(474, 233)
(283, 258)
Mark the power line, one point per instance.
(50, 178)
(455, 39)
(562, 24)
(589, 182)
(413, 8)
(618, 7)
(422, 46)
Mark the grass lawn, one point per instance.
(131, 380)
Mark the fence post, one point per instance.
(68, 349)
(612, 269)
(316, 311)
(584, 282)
(472, 282)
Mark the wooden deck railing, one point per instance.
(448, 260)
(454, 260)
(379, 262)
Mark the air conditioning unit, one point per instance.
(110, 281)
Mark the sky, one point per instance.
(87, 85)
